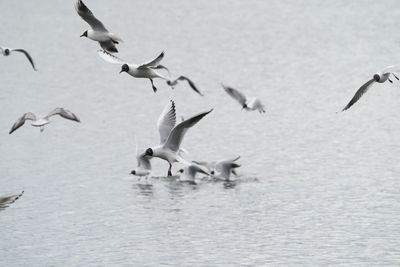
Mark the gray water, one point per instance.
(316, 187)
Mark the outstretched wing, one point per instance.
(65, 113)
(166, 121)
(360, 92)
(238, 96)
(108, 57)
(21, 121)
(7, 200)
(184, 78)
(178, 132)
(27, 56)
(152, 63)
(88, 16)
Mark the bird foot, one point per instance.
(154, 89)
(169, 173)
(390, 80)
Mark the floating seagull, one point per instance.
(379, 77)
(66, 114)
(146, 70)
(213, 166)
(171, 135)
(248, 103)
(223, 169)
(7, 51)
(188, 173)
(98, 33)
(5, 201)
(144, 166)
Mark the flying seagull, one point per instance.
(5, 201)
(223, 169)
(188, 173)
(98, 33)
(379, 77)
(41, 122)
(7, 51)
(146, 70)
(171, 135)
(247, 103)
(212, 166)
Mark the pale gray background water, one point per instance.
(316, 187)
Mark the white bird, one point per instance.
(171, 135)
(98, 33)
(248, 103)
(146, 70)
(213, 166)
(5, 201)
(188, 173)
(144, 166)
(379, 77)
(7, 51)
(223, 169)
(66, 114)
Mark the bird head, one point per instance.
(244, 106)
(212, 172)
(149, 152)
(124, 68)
(180, 171)
(377, 77)
(6, 51)
(84, 34)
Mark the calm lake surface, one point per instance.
(316, 187)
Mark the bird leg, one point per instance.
(395, 76)
(41, 129)
(390, 80)
(169, 170)
(152, 85)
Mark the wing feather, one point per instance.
(166, 121)
(360, 92)
(87, 15)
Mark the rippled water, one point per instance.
(315, 187)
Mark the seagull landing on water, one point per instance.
(144, 166)
(64, 113)
(7, 51)
(98, 33)
(5, 201)
(223, 169)
(248, 103)
(171, 135)
(379, 77)
(146, 70)
(214, 166)
(188, 173)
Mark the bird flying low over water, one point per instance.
(379, 77)
(146, 70)
(216, 166)
(7, 51)
(223, 169)
(247, 103)
(188, 173)
(5, 201)
(171, 135)
(41, 122)
(98, 33)
(143, 166)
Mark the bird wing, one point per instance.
(65, 113)
(392, 68)
(152, 63)
(360, 92)
(235, 94)
(7, 200)
(178, 132)
(27, 56)
(109, 46)
(110, 58)
(143, 161)
(166, 121)
(184, 78)
(226, 167)
(162, 67)
(88, 16)
(21, 121)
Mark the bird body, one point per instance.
(143, 166)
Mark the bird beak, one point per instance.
(82, 35)
(121, 71)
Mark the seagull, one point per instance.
(144, 166)
(212, 166)
(7, 51)
(171, 135)
(248, 103)
(5, 201)
(146, 70)
(98, 33)
(188, 173)
(223, 169)
(379, 77)
(66, 114)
